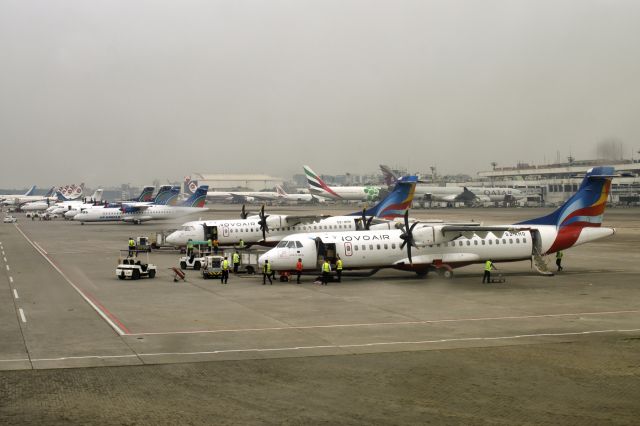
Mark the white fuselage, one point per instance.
(381, 249)
(450, 193)
(229, 232)
(104, 214)
(347, 193)
(160, 212)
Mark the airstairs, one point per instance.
(540, 263)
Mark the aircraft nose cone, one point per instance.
(262, 258)
(172, 238)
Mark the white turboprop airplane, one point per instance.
(136, 213)
(452, 194)
(64, 206)
(144, 198)
(444, 247)
(269, 229)
(349, 193)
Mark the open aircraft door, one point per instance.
(210, 232)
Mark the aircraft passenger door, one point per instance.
(210, 232)
(225, 231)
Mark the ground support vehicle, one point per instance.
(212, 267)
(133, 267)
(9, 219)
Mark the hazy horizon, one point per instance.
(109, 92)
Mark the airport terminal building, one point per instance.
(227, 182)
(555, 183)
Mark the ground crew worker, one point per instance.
(225, 271)
(326, 272)
(215, 246)
(241, 244)
(266, 273)
(488, 266)
(236, 262)
(189, 247)
(339, 269)
(209, 246)
(559, 255)
(132, 246)
(299, 269)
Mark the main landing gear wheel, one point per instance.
(447, 274)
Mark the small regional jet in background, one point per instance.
(269, 229)
(300, 198)
(424, 247)
(349, 193)
(461, 194)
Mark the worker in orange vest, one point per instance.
(299, 269)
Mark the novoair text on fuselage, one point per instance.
(364, 237)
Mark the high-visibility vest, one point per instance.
(132, 243)
(339, 264)
(236, 258)
(225, 265)
(559, 255)
(215, 243)
(189, 244)
(241, 245)
(487, 265)
(299, 266)
(209, 243)
(326, 267)
(266, 268)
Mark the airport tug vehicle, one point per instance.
(134, 268)
(212, 267)
(195, 262)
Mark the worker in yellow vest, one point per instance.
(132, 246)
(266, 273)
(326, 272)
(488, 266)
(236, 262)
(225, 271)
(559, 255)
(339, 269)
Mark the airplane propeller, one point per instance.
(366, 223)
(263, 223)
(243, 213)
(407, 235)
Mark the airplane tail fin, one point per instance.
(97, 195)
(390, 178)
(190, 186)
(317, 185)
(586, 207)
(198, 198)
(50, 192)
(146, 195)
(164, 193)
(280, 190)
(30, 191)
(396, 202)
(61, 196)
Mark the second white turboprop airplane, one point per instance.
(269, 229)
(444, 247)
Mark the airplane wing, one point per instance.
(482, 231)
(296, 220)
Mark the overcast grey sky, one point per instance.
(125, 91)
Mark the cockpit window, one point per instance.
(186, 228)
(292, 244)
(282, 244)
(298, 244)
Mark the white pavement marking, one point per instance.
(14, 360)
(11, 280)
(373, 324)
(360, 345)
(22, 317)
(86, 299)
(41, 249)
(85, 357)
(5, 259)
(8, 269)
(15, 294)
